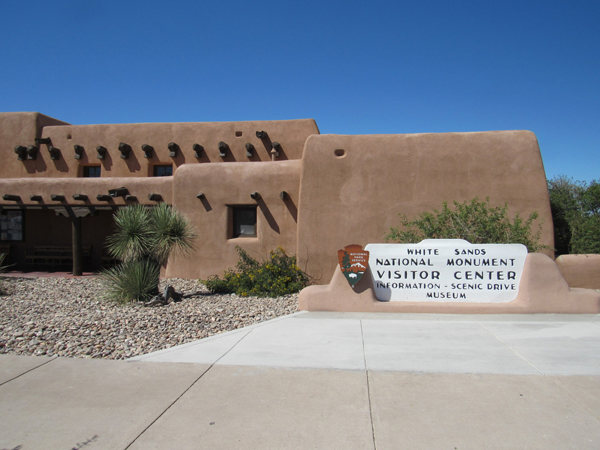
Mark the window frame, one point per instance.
(234, 225)
(157, 167)
(86, 170)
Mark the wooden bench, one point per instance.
(54, 256)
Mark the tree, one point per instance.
(576, 214)
(564, 203)
(346, 261)
(143, 240)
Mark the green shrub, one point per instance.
(474, 221)
(277, 276)
(217, 286)
(132, 281)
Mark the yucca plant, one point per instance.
(132, 280)
(133, 237)
(143, 240)
(171, 232)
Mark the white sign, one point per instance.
(447, 270)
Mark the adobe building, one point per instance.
(257, 185)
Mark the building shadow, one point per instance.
(206, 204)
(291, 206)
(133, 163)
(267, 213)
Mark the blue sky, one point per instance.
(356, 67)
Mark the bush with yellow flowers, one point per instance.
(278, 275)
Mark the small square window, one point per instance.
(244, 221)
(163, 171)
(11, 226)
(91, 171)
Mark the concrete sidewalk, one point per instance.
(324, 380)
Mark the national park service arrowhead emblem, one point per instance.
(353, 262)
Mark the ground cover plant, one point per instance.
(576, 215)
(475, 221)
(278, 275)
(143, 240)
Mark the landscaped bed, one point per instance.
(67, 317)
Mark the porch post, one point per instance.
(77, 247)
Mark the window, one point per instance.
(244, 221)
(163, 171)
(11, 225)
(91, 171)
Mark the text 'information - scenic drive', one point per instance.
(446, 270)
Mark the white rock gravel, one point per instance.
(67, 317)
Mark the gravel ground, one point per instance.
(66, 317)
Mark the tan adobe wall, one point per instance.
(21, 129)
(355, 198)
(225, 185)
(344, 190)
(581, 271)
